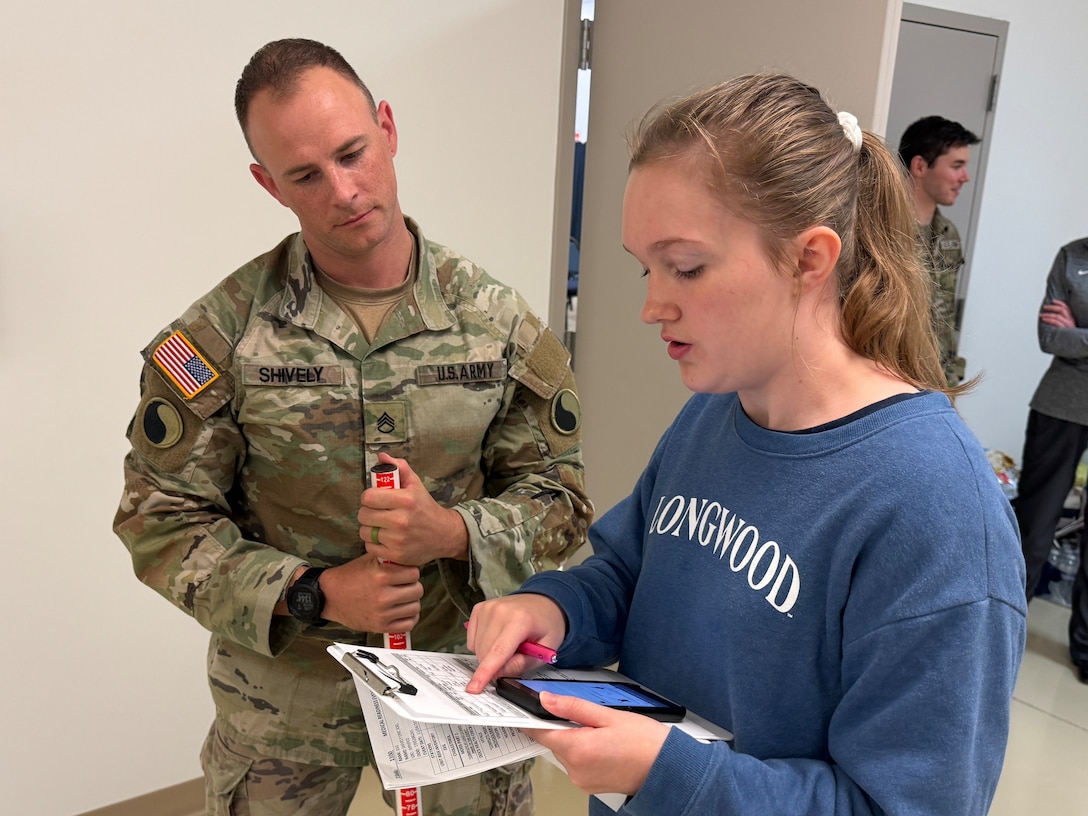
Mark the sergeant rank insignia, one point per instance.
(184, 366)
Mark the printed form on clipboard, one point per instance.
(425, 728)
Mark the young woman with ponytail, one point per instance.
(817, 556)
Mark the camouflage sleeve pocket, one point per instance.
(163, 431)
(545, 371)
(545, 361)
(185, 381)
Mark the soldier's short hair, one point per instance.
(278, 66)
(931, 137)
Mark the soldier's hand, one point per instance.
(407, 526)
(371, 596)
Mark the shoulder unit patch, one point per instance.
(161, 423)
(566, 412)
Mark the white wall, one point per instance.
(124, 196)
(1032, 204)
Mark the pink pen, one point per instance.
(535, 650)
(538, 651)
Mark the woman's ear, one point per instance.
(818, 251)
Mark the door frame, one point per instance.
(999, 29)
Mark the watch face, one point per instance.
(305, 603)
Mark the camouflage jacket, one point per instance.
(944, 259)
(262, 409)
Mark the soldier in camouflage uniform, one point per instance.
(936, 151)
(943, 256)
(266, 403)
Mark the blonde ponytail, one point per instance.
(778, 156)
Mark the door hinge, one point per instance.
(587, 45)
(992, 101)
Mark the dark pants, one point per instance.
(1052, 450)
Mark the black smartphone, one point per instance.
(622, 696)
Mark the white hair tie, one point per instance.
(849, 124)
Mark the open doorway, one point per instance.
(948, 64)
(581, 133)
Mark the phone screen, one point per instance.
(606, 694)
(624, 696)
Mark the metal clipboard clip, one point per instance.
(386, 680)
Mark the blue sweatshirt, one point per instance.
(849, 602)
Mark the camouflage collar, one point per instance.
(428, 291)
(298, 307)
(940, 225)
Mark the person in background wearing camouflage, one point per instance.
(354, 342)
(935, 151)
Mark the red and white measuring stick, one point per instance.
(387, 477)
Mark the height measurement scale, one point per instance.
(387, 477)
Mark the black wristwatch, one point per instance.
(305, 600)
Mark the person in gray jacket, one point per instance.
(1057, 432)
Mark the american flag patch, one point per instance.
(184, 365)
